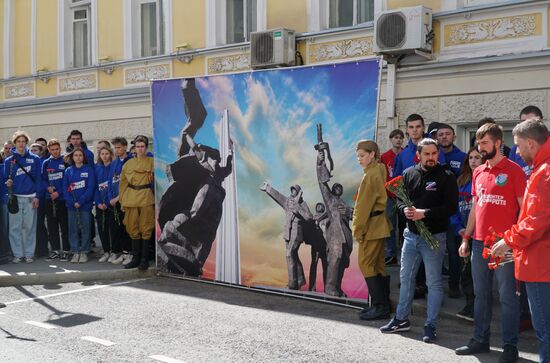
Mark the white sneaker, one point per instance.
(105, 257)
(75, 258)
(127, 259)
(119, 259)
(29, 260)
(113, 256)
(17, 260)
(83, 258)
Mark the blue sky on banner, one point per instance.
(273, 116)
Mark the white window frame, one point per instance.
(65, 34)
(8, 41)
(132, 27)
(85, 6)
(216, 20)
(319, 13)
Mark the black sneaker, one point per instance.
(53, 256)
(64, 256)
(429, 334)
(2, 305)
(473, 347)
(467, 313)
(509, 354)
(395, 325)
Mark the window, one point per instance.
(349, 12)
(232, 21)
(81, 32)
(146, 27)
(241, 20)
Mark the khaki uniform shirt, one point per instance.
(136, 172)
(371, 197)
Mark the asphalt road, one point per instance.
(167, 320)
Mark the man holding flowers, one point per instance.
(497, 191)
(529, 238)
(427, 197)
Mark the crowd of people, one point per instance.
(487, 210)
(49, 197)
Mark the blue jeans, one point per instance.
(415, 250)
(391, 241)
(483, 290)
(79, 235)
(22, 229)
(538, 294)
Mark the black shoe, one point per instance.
(376, 313)
(429, 334)
(473, 347)
(509, 354)
(2, 305)
(467, 313)
(390, 261)
(395, 325)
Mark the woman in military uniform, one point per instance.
(138, 202)
(371, 227)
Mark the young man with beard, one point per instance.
(497, 192)
(433, 191)
(454, 157)
(530, 236)
(407, 158)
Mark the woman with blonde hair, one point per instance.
(371, 227)
(103, 209)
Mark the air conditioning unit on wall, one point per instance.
(403, 31)
(272, 48)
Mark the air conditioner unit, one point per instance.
(403, 31)
(272, 48)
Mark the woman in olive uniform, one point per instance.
(138, 202)
(371, 227)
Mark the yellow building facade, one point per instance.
(87, 64)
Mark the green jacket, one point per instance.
(371, 197)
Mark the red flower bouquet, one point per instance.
(488, 243)
(397, 187)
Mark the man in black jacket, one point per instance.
(433, 191)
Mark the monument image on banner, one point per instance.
(256, 173)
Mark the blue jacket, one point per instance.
(454, 159)
(52, 174)
(3, 188)
(405, 159)
(22, 183)
(514, 156)
(460, 218)
(102, 182)
(114, 175)
(83, 185)
(88, 155)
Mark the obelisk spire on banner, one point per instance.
(228, 258)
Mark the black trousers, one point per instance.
(41, 232)
(56, 223)
(105, 230)
(120, 237)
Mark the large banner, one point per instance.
(256, 173)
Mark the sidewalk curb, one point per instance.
(81, 276)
